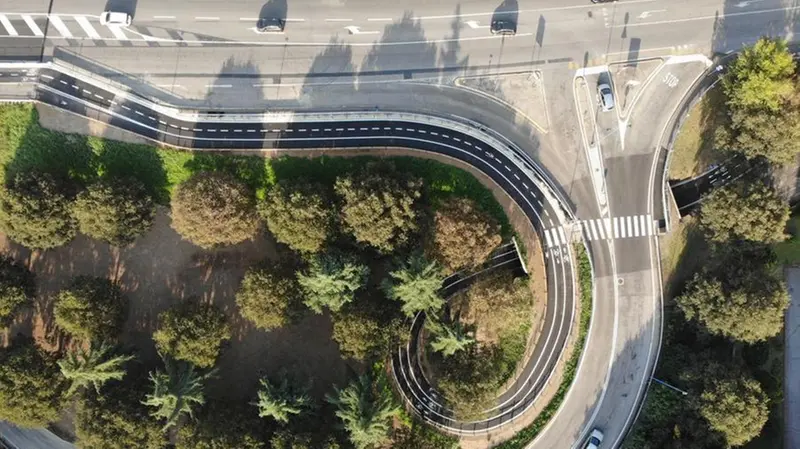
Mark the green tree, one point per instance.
(224, 425)
(213, 209)
(737, 407)
(771, 135)
(31, 388)
(117, 419)
(463, 235)
(17, 289)
(748, 315)
(362, 335)
(299, 215)
(115, 210)
(761, 76)
(745, 211)
(176, 391)
(91, 308)
(280, 401)
(365, 409)
(331, 281)
(192, 332)
(35, 210)
(448, 338)
(267, 298)
(416, 284)
(379, 207)
(93, 367)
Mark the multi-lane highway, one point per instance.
(384, 58)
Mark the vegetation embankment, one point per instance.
(725, 295)
(363, 241)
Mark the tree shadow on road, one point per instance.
(386, 57)
(449, 61)
(332, 73)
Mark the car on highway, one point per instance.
(270, 25)
(605, 96)
(503, 27)
(115, 18)
(595, 438)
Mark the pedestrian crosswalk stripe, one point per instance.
(631, 226)
(117, 32)
(59, 25)
(8, 26)
(87, 27)
(32, 25)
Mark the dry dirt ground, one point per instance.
(160, 270)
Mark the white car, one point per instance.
(606, 97)
(595, 438)
(115, 18)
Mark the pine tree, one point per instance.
(448, 338)
(94, 367)
(331, 281)
(176, 391)
(416, 284)
(281, 401)
(365, 410)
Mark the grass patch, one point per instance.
(526, 435)
(683, 253)
(693, 149)
(25, 145)
(788, 251)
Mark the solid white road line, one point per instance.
(60, 27)
(118, 33)
(87, 27)
(32, 25)
(8, 26)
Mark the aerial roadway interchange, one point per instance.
(391, 56)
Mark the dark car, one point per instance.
(503, 27)
(604, 1)
(270, 25)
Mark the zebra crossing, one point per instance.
(604, 229)
(89, 28)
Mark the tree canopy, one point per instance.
(192, 332)
(224, 424)
(115, 210)
(771, 135)
(416, 284)
(745, 211)
(93, 367)
(90, 308)
(176, 391)
(736, 406)
(365, 409)
(744, 314)
(280, 400)
(463, 235)
(761, 76)
(213, 209)
(16, 289)
(362, 335)
(35, 210)
(331, 281)
(117, 420)
(379, 206)
(448, 338)
(31, 388)
(267, 298)
(299, 215)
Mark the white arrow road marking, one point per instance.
(646, 14)
(474, 24)
(746, 3)
(357, 30)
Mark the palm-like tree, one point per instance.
(448, 338)
(280, 402)
(176, 391)
(365, 410)
(94, 366)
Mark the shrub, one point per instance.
(299, 215)
(35, 210)
(16, 289)
(212, 209)
(192, 332)
(268, 299)
(463, 235)
(116, 211)
(91, 309)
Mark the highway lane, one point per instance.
(78, 96)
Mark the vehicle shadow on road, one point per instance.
(126, 6)
(274, 9)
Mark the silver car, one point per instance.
(606, 97)
(595, 438)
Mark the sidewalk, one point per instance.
(791, 386)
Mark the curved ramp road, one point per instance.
(512, 170)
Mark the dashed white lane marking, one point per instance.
(206, 18)
(138, 112)
(380, 19)
(62, 82)
(48, 77)
(291, 19)
(327, 130)
(118, 33)
(184, 128)
(87, 27)
(60, 27)
(351, 129)
(445, 136)
(75, 86)
(248, 19)
(223, 130)
(219, 85)
(302, 130)
(164, 17)
(197, 130)
(164, 123)
(212, 130)
(251, 130)
(314, 130)
(376, 128)
(338, 20)
(172, 125)
(237, 130)
(8, 26)
(32, 25)
(363, 129)
(126, 107)
(151, 117)
(86, 92)
(434, 133)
